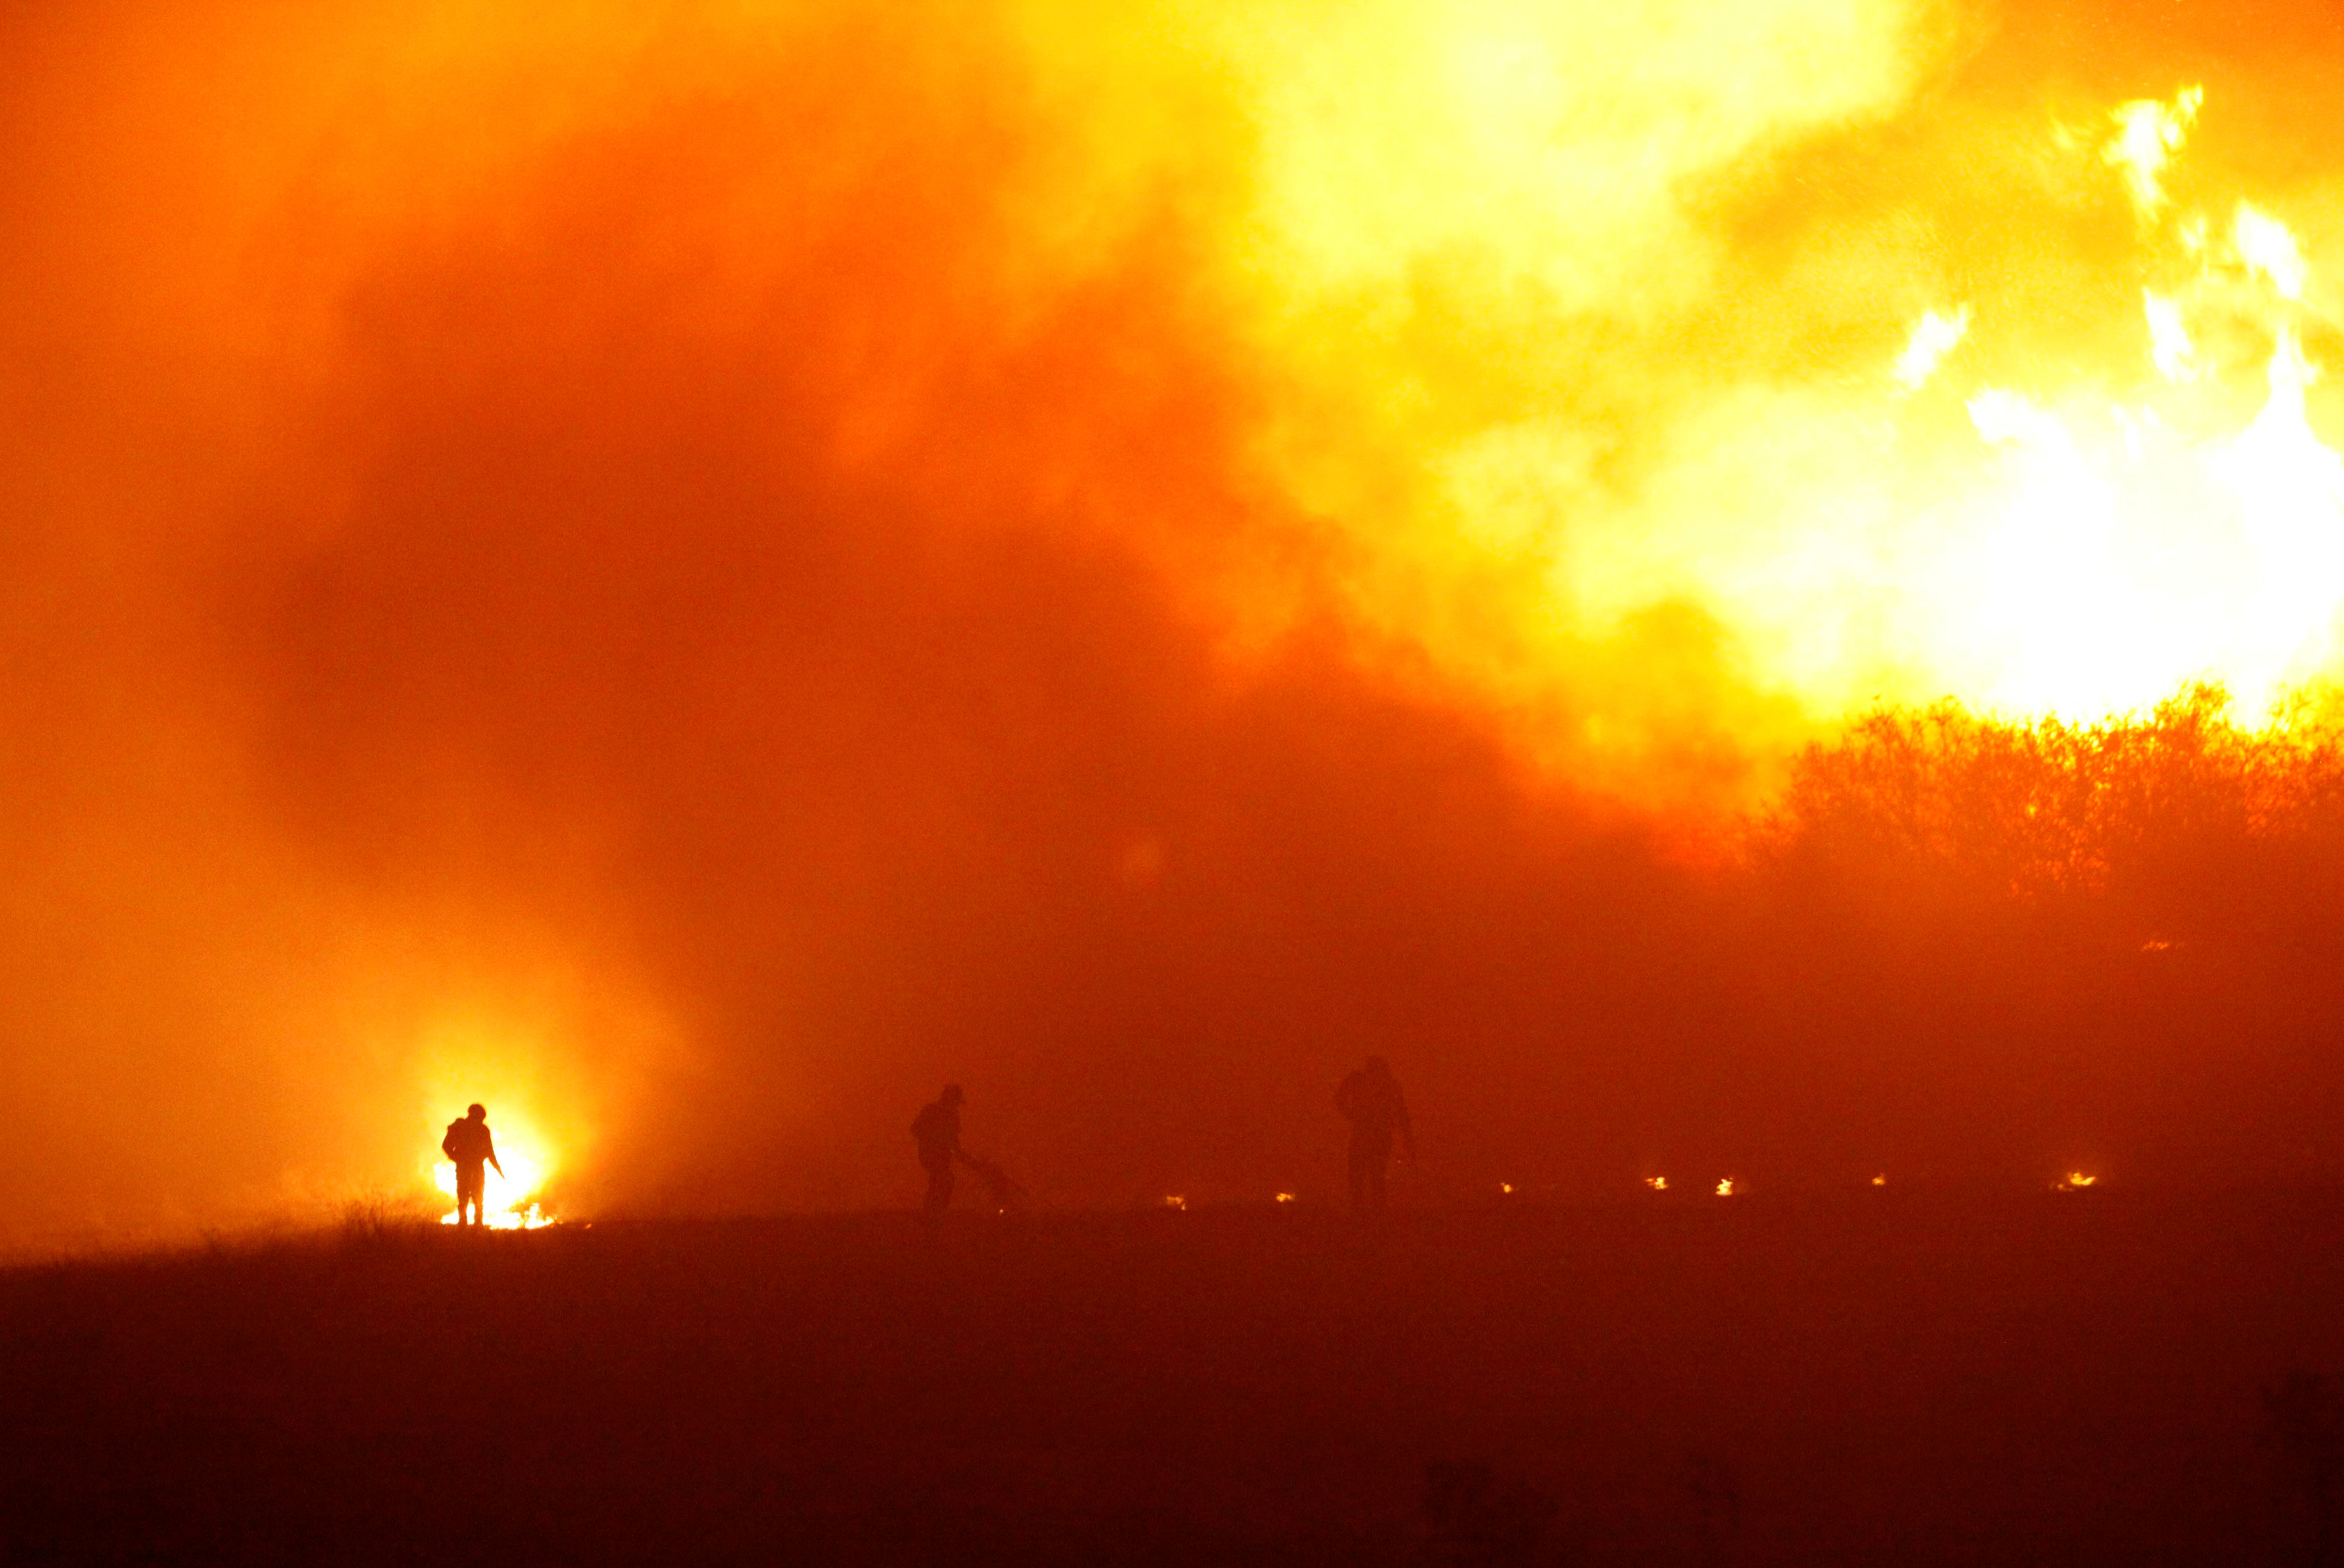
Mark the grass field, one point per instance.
(1866, 1378)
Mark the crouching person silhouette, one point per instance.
(469, 1144)
(937, 1130)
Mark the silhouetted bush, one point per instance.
(2306, 1416)
(380, 1221)
(1473, 1519)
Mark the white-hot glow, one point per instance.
(2108, 551)
(2121, 515)
(509, 1200)
(1934, 337)
(2148, 132)
(2267, 246)
(2170, 348)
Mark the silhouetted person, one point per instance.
(1370, 1100)
(470, 1145)
(937, 1129)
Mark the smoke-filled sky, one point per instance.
(691, 571)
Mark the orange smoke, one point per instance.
(686, 571)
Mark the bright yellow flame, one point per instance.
(2148, 132)
(509, 1200)
(2267, 246)
(2099, 535)
(1880, 1180)
(1725, 1187)
(1657, 1183)
(2093, 555)
(1934, 337)
(2170, 348)
(2076, 1180)
(2117, 562)
(1285, 1197)
(1505, 1186)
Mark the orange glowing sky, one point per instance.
(688, 569)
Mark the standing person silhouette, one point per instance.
(471, 1146)
(1370, 1099)
(937, 1129)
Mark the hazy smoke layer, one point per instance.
(692, 571)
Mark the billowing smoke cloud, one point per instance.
(692, 572)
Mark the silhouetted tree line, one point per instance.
(2173, 817)
(1998, 941)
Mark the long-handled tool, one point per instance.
(999, 1184)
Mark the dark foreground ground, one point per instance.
(1875, 1378)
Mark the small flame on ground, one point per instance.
(1725, 1187)
(1505, 1186)
(1881, 1179)
(508, 1200)
(528, 1217)
(1174, 1200)
(1657, 1183)
(1285, 1197)
(2077, 1182)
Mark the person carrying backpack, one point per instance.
(473, 1149)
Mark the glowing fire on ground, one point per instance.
(1725, 1187)
(508, 1200)
(2076, 1181)
(1657, 1183)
